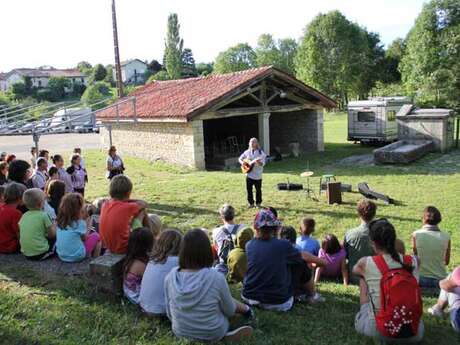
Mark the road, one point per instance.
(55, 143)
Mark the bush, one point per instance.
(95, 93)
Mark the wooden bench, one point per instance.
(106, 273)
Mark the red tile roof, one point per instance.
(184, 98)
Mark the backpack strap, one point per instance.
(381, 264)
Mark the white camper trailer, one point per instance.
(70, 118)
(374, 120)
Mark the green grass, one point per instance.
(49, 309)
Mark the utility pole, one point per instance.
(117, 52)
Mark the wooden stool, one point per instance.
(327, 179)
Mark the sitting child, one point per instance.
(305, 242)
(118, 215)
(268, 282)
(9, 218)
(96, 214)
(165, 256)
(74, 241)
(54, 192)
(335, 255)
(301, 274)
(371, 270)
(37, 232)
(155, 224)
(2, 195)
(3, 172)
(140, 245)
(198, 299)
(432, 246)
(449, 297)
(237, 261)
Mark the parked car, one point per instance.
(68, 119)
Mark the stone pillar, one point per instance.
(264, 131)
(198, 144)
(320, 129)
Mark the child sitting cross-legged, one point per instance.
(237, 261)
(140, 245)
(37, 233)
(301, 274)
(165, 256)
(335, 255)
(449, 297)
(305, 242)
(120, 214)
(74, 240)
(268, 282)
(9, 218)
(198, 299)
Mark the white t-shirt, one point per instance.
(257, 170)
(218, 234)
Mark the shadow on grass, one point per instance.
(163, 209)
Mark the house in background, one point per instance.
(206, 122)
(132, 71)
(40, 76)
(3, 86)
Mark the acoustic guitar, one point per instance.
(248, 165)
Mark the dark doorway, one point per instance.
(225, 139)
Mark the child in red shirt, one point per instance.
(9, 218)
(118, 214)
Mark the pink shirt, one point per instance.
(334, 262)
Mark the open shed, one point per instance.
(206, 122)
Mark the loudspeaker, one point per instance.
(334, 193)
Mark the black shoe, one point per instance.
(251, 206)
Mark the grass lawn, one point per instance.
(47, 309)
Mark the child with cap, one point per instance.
(449, 296)
(267, 283)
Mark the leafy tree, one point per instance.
(279, 54)
(204, 69)
(188, 64)
(109, 76)
(334, 56)
(388, 89)
(236, 58)
(85, 67)
(390, 67)
(161, 75)
(58, 87)
(78, 89)
(99, 73)
(97, 92)
(430, 67)
(173, 48)
(154, 66)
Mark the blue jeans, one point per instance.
(428, 282)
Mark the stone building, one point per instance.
(206, 122)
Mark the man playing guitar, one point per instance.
(252, 164)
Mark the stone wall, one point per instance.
(175, 142)
(304, 127)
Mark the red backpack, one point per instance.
(401, 305)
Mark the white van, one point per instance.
(374, 120)
(67, 119)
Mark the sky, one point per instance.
(61, 33)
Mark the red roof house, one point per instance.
(204, 122)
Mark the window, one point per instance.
(39, 83)
(366, 116)
(391, 115)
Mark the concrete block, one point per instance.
(106, 273)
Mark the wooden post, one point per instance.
(117, 51)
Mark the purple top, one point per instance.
(333, 268)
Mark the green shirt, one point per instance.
(33, 232)
(357, 245)
(431, 244)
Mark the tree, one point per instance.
(390, 67)
(204, 69)
(154, 66)
(57, 87)
(430, 67)
(236, 58)
(280, 54)
(95, 93)
(161, 75)
(99, 73)
(334, 56)
(109, 77)
(173, 48)
(188, 64)
(85, 67)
